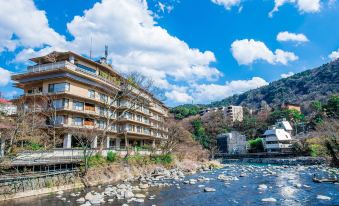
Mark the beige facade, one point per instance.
(81, 91)
(235, 113)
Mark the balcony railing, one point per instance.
(51, 66)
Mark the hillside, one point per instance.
(301, 88)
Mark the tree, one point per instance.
(86, 139)
(332, 107)
(133, 93)
(176, 135)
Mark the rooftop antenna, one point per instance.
(106, 52)
(90, 49)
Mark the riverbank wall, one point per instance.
(38, 185)
(282, 161)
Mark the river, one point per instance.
(236, 184)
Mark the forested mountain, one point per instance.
(301, 88)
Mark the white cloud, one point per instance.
(5, 77)
(212, 92)
(304, 6)
(22, 24)
(228, 4)
(334, 55)
(248, 51)
(287, 36)
(287, 75)
(136, 43)
(179, 95)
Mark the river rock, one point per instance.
(209, 189)
(140, 195)
(270, 199)
(262, 187)
(128, 194)
(81, 200)
(323, 197)
(143, 186)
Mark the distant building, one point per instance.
(291, 106)
(278, 138)
(231, 143)
(235, 113)
(7, 107)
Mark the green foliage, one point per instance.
(332, 107)
(111, 156)
(164, 159)
(34, 146)
(317, 150)
(184, 111)
(256, 145)
(96, 161)
(292, 115)
(199, 133)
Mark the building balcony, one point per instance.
(63, 65)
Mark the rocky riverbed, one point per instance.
(235, 184)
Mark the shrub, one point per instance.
(138, 160)
(96, 160)
(256, 145)
(164, 159)
(317, 150)
(35, 146)
(111, 156)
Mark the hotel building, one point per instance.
(79, 89)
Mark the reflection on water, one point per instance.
(288, 185)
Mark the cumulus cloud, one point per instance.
(247, 51)
(211, 92)
(287, 75)
(5, 77)
(334, 55)
(22, 24)
(304, 6)
(228, 4)
(179, 95)
(287, 36)
(136, 43)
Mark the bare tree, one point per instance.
(85, 138)
(135, 91)
(176, 135)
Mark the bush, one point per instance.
(256, 145)
(317, 150)
(35, 146)
(96, 160)
(138, 160)
(165, 159)
(111, 156)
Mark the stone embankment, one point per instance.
(287, 161)
(37, 185)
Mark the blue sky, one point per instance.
(197, 51)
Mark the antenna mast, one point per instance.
(90, 49)
(106, 52)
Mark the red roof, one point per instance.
(5, 101)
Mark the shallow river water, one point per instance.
(290, 186)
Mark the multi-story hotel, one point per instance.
(79, 89)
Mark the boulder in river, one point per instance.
(270, 199)
(209, 189)
(323, 197)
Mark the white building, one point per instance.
(278, 138)
(235, 113)
(6, 107)
(231, 143)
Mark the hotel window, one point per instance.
(85, 68)
(139, 129)
(146, 131)
(59, 87)
(114, 127)
(78, 105)
(101, 124)
(103, 98)
(77, 121)
(139, 118)
(60, 103)
(91, 94)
